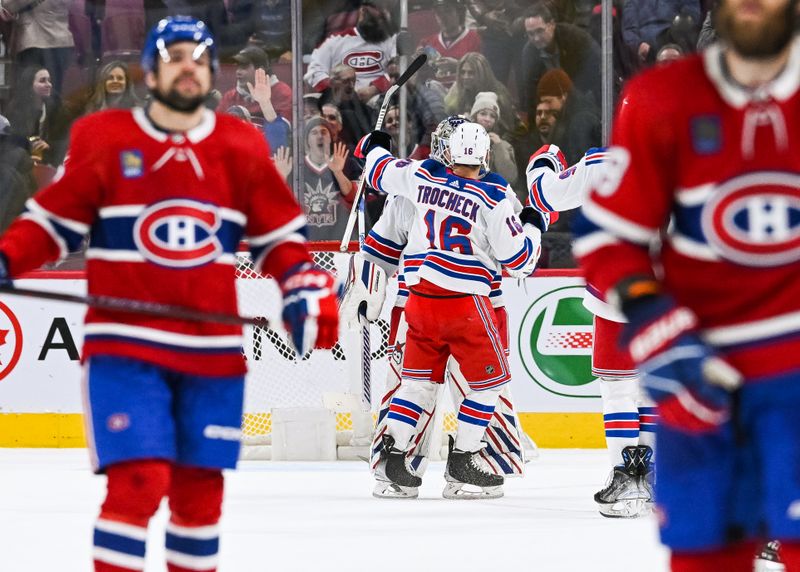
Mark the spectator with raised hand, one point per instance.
(552, 45)
(474, 76)
(113, 88)
(454, 39)
(327, 191)
(367, 48)
(249, 60)
(502, 161)
(276, 128)
(283, 162)
(646, 22)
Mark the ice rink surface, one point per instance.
(317, 517)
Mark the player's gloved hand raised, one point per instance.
(371, 140)
(310, 311)
(680, 372)
(364, 293)
(549, 156)
(5, 278)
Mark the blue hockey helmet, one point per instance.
(178, 29)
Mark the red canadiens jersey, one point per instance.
(713, 171)
(164, 215)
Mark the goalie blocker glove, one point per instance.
(365, 292)
(370, 141)
(680, 372)
(310, 312)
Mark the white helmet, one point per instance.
(469, 145)
(440, 138)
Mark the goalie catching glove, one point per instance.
(364, 293)
(680, 372)
(309, 308)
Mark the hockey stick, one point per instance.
(138, 307)
(412, 68)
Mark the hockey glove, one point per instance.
(364, 293)
(310, 312)
(372, 140)
(680, 372)
(547, 156)
(5, 278)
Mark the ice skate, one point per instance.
(386, 489)
(393, 477)
(768, 558)
(629, 492)
(468, 477)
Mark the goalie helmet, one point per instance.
(176, 29)
(469, 145)
(440, 139)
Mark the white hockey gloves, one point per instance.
(365, 292)
(534, 235)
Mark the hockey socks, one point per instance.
(410, 402)
(195, 501)
(135, 490)
(620, 415)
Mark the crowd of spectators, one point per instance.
(529, 71)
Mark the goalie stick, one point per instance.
(357, 212)
(357, 207)
(139, 307)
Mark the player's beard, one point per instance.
(756, 42)
(177, 102)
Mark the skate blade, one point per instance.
(463, 491)
(633, 508)
(389, 490)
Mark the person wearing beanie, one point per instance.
(486, 112)
(327, 192)
(578, 125)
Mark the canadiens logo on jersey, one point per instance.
(754, 219)
(364, 61)
(178, 233)
(131, 163)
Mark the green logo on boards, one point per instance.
(555, 343)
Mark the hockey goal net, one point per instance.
(276, 379)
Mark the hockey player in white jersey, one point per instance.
(506, 444)
(461, 226)
(629, 416)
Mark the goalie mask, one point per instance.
(469, 145)
(440, 139)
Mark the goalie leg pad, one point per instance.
(135, 490)
(411, 402)
(192, 537)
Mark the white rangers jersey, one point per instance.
(459, 228)
(549, 191)
(368, 59)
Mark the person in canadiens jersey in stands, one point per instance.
(462, 226)
(166, 194)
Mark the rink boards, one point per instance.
(550, 344)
